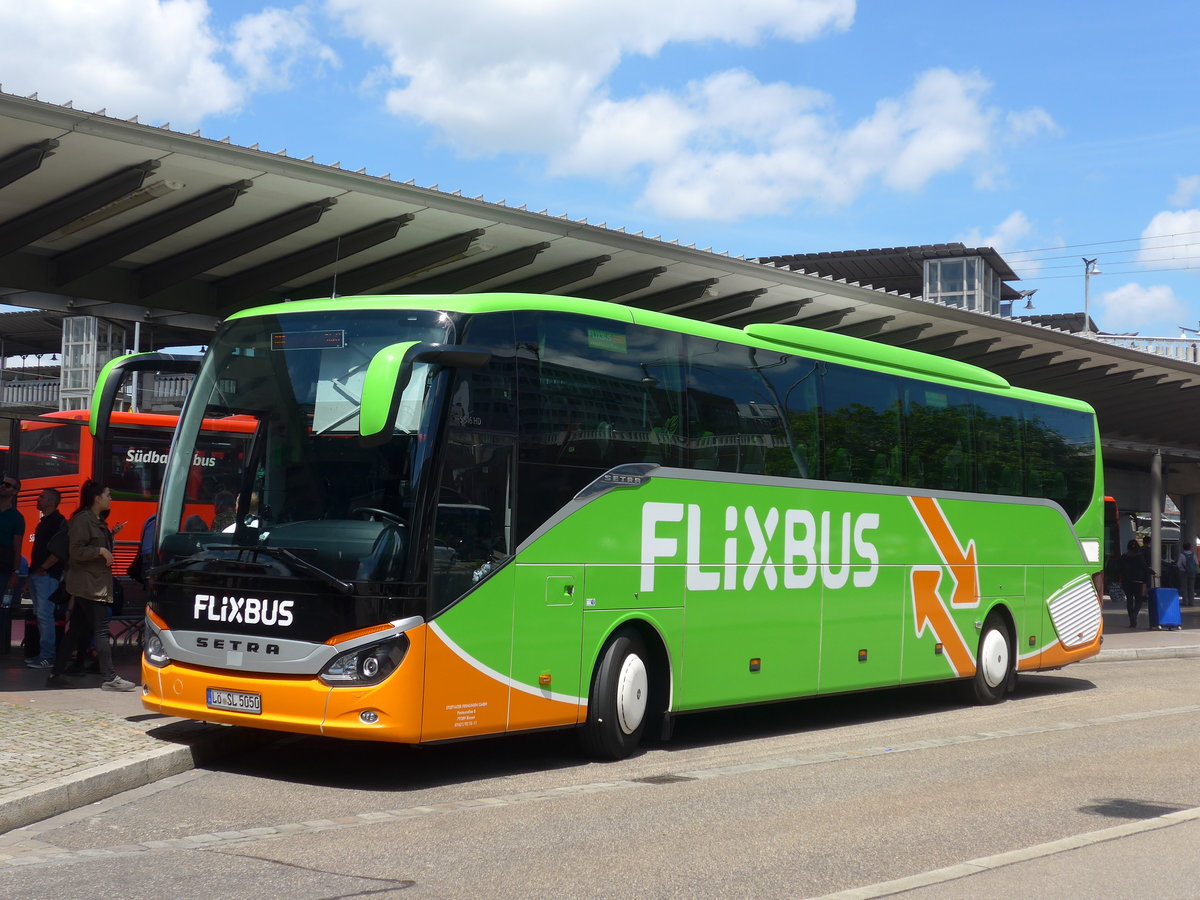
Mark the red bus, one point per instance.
(126, 451)
(58, 451)
(1112, 540)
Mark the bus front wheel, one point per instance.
(619, 698)
(994, 664)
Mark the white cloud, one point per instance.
(153, 58)
(1186, 189)
(1153, 310)
(936, 126)
(269, 45)
(535, 76)
(731, 146)
(1006, 236)
(524, 75)
(531, 76)
(617, 137)
(1022, 125)
(1172, 240)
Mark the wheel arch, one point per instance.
(1004, 611)
(660, 663)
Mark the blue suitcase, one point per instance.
(1166, 607)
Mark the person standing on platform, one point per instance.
(45, 571)
(1133, 580)
(1186, 563)
(12, 533)
(89, 581)
(1150, 582)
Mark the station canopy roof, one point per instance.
(143, 223)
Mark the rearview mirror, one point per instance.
(389, 372)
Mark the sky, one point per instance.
(1052, 131)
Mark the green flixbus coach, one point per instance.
(471, 515)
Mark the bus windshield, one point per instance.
(313, 498)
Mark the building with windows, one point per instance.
(50, 360)
(974, 278)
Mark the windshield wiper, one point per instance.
(288, 556)
(281, 553)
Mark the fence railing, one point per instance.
(166, 392)
(1183, 349)
(35, 392)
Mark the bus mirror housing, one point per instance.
(109, 382)
(114, 373)
(389, 372)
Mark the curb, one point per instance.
(185, 746)
(1129, 653)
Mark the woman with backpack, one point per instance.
(89, 581)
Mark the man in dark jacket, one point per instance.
(1133, 580)
(45, 572)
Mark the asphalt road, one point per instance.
(796, 800)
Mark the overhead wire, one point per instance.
(1183, 262)
(1009, 253)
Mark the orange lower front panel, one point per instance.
(1057, 655)
(296, 703)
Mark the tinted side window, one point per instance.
(999, 445)
(737, 422)
(937, 429)
(1060, 457)
(486, 399)
(862, 426)
(599, 393)
(795, 389)
(592, 394)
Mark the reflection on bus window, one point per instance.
(137, 458)
(49, 450)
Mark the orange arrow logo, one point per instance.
(930, 612)
(961, 562)
(929, 609)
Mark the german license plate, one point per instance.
(235, 701)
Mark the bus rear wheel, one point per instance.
(994, 663)
(619, 699)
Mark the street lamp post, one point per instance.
(1089, 269)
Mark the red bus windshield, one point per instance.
(56, 451)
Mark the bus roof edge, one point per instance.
(856, 349)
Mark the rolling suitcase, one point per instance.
(1166, 607)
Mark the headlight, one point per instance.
(156, 653)
(366, 665)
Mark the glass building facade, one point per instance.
(968, 283)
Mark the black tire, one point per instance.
(995, 663)
(619, 700)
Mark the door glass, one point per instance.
(473, 530)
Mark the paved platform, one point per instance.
(61, 749)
